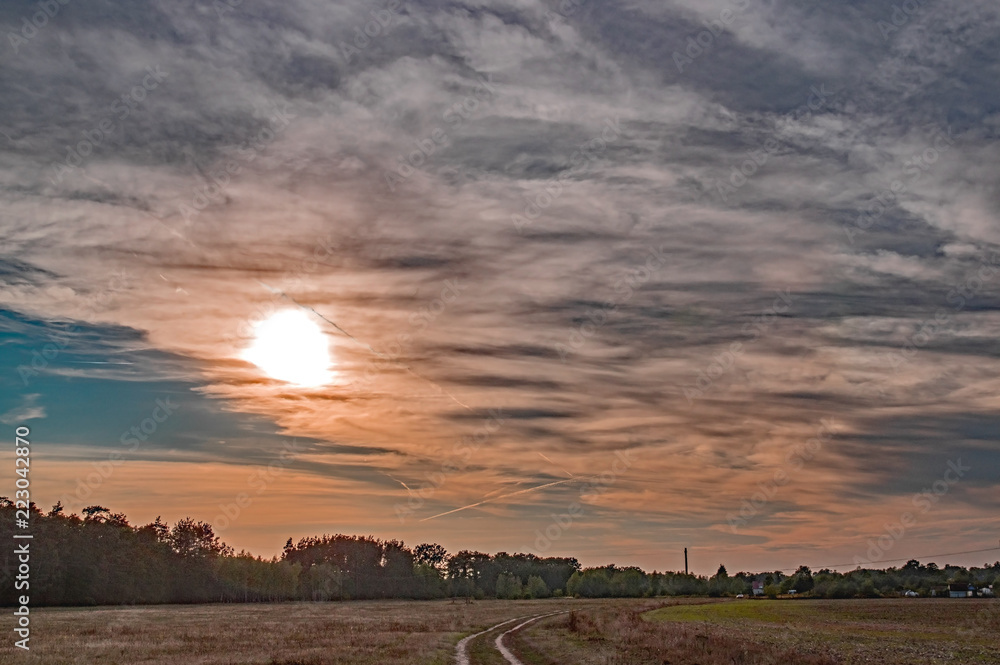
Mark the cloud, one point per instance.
(27, 410)
(805, 151)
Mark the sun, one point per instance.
(290, 347)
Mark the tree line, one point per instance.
(99, 558)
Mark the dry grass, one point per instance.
(707, 632)
(595, 632)
(619, 636)
(359, 633)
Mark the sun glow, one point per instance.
(290, 347)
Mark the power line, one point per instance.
(925, 556)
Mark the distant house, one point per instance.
(758, 588)
(961, 590)
(986, 592)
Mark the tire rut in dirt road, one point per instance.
(462, 648)
(504, 651)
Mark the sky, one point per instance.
(597, 279)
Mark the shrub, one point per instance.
(536, 588)
(509, 587)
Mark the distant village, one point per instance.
(913, 580)
(954, 590)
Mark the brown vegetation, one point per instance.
(618, 635)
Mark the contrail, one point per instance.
(397, 480)
(98, 362)
(554, 464)
(310, 309)
(502, 496)
(365, 344)
(171, 229)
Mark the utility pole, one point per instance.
(685, 561)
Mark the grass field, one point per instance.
(912, 631)
(588, 632)
(376, 632)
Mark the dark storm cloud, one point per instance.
(13, 270)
